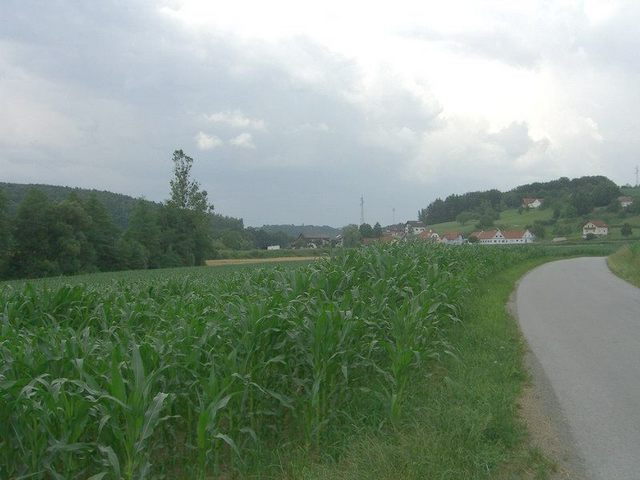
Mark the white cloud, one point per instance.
(207, 142)
(244, 140)
(236, 119)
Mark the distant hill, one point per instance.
(577, 196)
(296, 230)
(118, 205)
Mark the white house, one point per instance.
(508, 237)
(595, 227)
(532, 202)
(413, 227)
(452, 238)
(625, 201)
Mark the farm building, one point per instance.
(625, 201)
(532, 202)
(414, 227)
(452, 238)
(428, 235)
(507, 237)
(316, 241)
(595, 227)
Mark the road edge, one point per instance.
(539, 408)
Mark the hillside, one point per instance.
(567, 197)
(568, 204)
(118, 205)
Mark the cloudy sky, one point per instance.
(293, 109)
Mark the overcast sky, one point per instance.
(293, 109)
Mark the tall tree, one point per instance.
(185, 219)
(102, 234)
(72, 250)
(145, 233)
(32, 252)
(185, 192)
(377, 230)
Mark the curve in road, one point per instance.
(582, 323)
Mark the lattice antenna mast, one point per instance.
(394, 215)
(637, 173)
(361, 209)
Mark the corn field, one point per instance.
(196, 377)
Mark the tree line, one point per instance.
(78, 235)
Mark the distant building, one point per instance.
(507, 237)
(413, 227)
(595, 227)
(308, 241)
(452, 238)
(428, 235)
(273, 247)
(532, 202)
(625, 201)
(396, 231)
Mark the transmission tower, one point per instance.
(361, 209)
(394, 215)
(637, 172)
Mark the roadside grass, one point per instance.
(462, 420)
(625, 263)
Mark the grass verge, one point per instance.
(462, 421)
(625, 263)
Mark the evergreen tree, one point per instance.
(377, 230)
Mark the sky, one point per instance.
(292, 110)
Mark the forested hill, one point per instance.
(572, 196)
(311, 230)
(119, 206)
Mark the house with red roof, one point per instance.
(595, 227)
(528, 202)
(452, 238)
(428, 235)
(506, 237)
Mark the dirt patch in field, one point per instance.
(243, 261)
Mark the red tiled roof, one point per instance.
(427, 234)
(485, 235)
(597, 223)
(625, 199)
(513, 234)
(451, 235)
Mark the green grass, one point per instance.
(625, 263)
(509, 220)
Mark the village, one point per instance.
(416, 230)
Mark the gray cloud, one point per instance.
(99, 95)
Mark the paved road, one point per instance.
(582, 323)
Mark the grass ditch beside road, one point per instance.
(625, 263)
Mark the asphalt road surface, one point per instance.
(582, 323)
